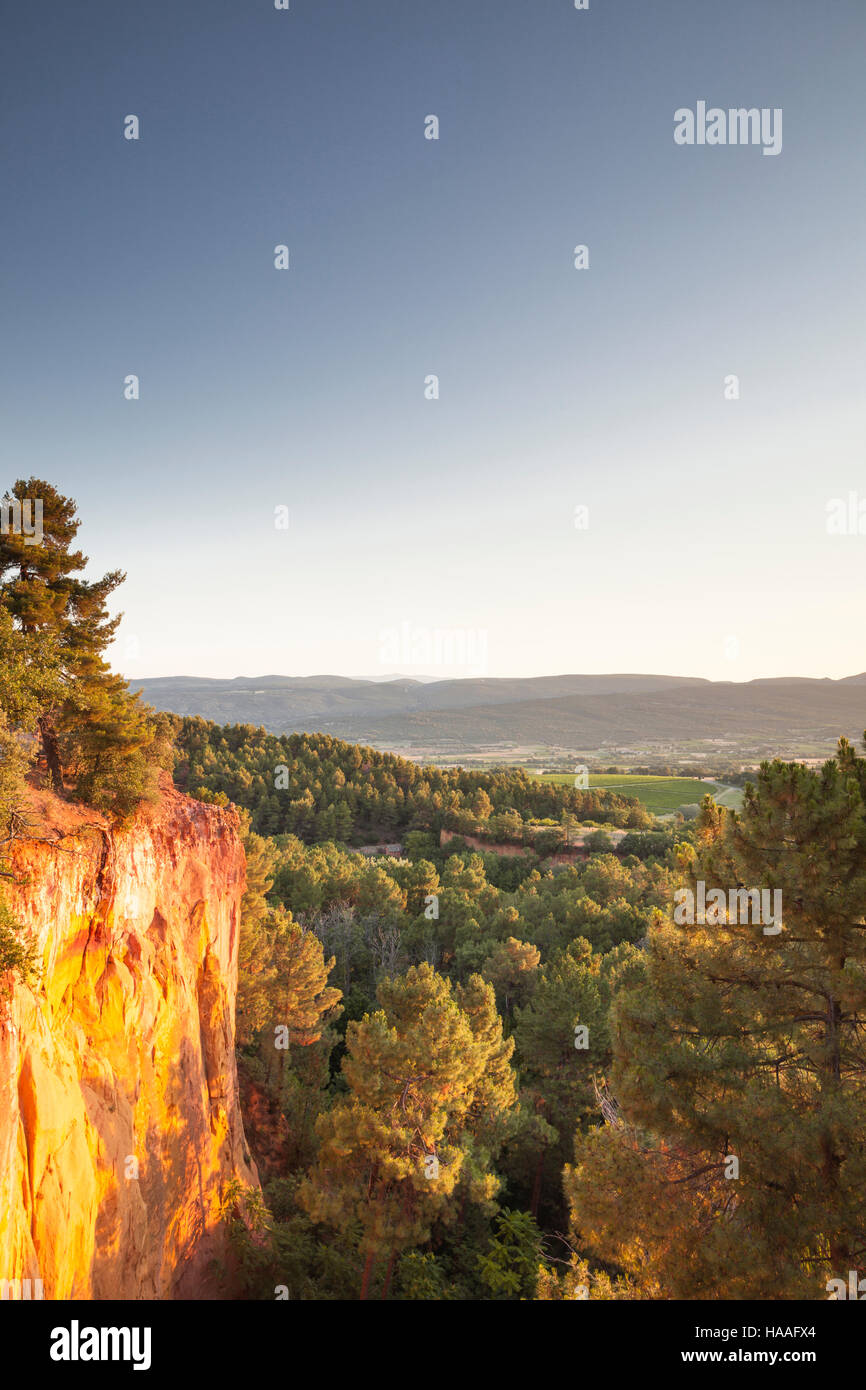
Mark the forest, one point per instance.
(614, 1106)
(318, 787)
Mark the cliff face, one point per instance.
(119, 1112)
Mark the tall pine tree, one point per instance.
(740, 1062)
(428, 1080)
(94, 733)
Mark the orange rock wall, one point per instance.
(119, 1115)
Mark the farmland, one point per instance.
(661, 795)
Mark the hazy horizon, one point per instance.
(432, 680)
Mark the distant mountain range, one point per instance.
(791, 716)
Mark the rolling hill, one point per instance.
(635, 713)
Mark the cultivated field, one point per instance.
(660, 795)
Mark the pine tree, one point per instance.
(410, 1130)
(91, 728)
(283, 974)
(29, 679)
(556, 1073)
(740, 1064)
(512, 970)
(302, 979)
(509, 1268)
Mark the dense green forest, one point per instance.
(507, 957)
(317, 787)
(614, 1106)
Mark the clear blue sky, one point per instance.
(707, 551)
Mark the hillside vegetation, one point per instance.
(318, 787)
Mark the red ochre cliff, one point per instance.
(120, 1123)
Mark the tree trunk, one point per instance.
(51, 749)
(368, 1270)
(536, 1188)
(388, 1273)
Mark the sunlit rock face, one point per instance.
(119, 1115)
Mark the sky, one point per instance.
(286, 495)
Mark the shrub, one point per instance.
(18, 954)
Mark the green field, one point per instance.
(660, 795)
